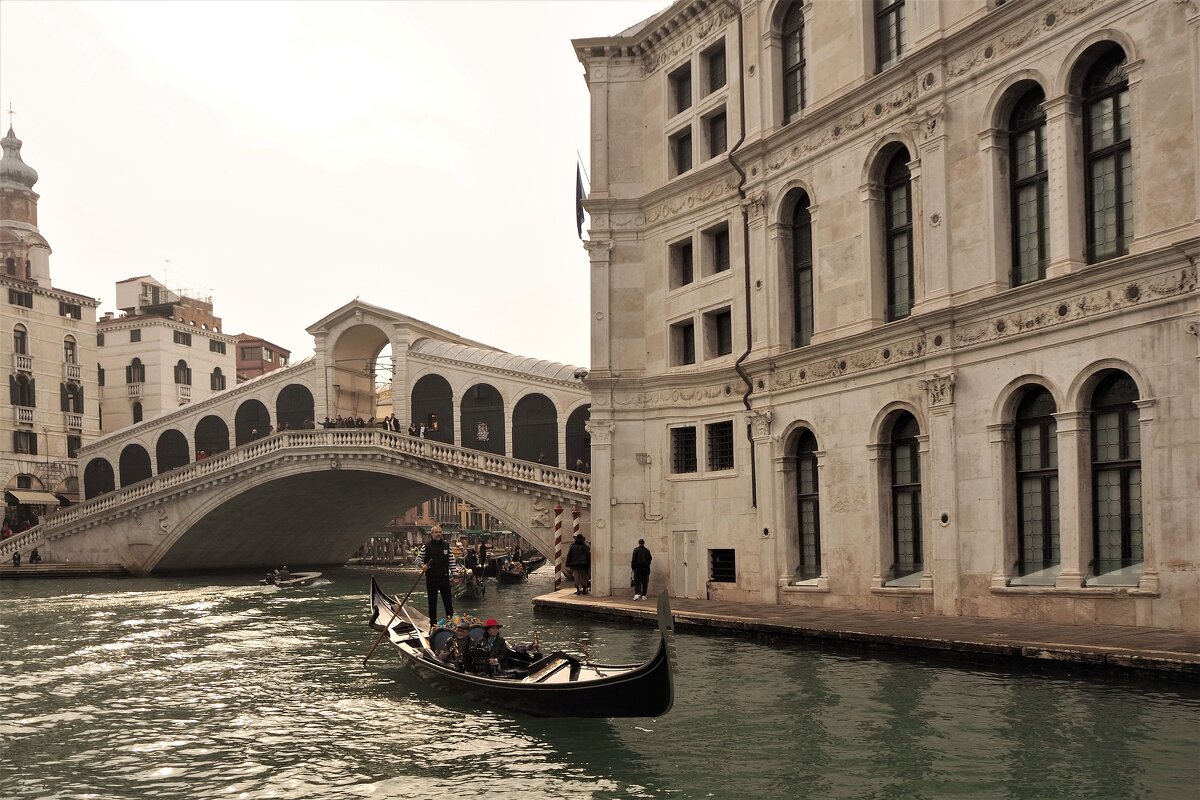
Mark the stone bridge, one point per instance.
(308, 497)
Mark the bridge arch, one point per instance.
(172, 450)
(295, 407)
(433, 406)
(352, 368)
(535, 429)
(212, 435)
(98, 478)
(134, 464)
(481, 415)
(578, 440)
(250, 421)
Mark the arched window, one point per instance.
(217, 380)
(793, 61)
(137, 412)
(20, 341)
(1030, 188)
(808, 510)
(1116, 475)
(70, 352)
(802, 273)
(1108, 156)
(906, 497)
(183, 373)
(22, 391)
(72, 397)
(135, 372)
(1037, 482)
(898, 227)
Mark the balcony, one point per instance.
(135, 391)
(72, 372)
(185, 393)
(23, 415)
(74, 421)
(22, 362)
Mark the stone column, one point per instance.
(931, 215)
(767, 318)
(1064, 157)
(880, 510)
(767, 513)
(1004, 545)
(601, 431)
(993, 150)
(1074, 498)
(400, 405)
(600, 253)
(939, 482)
(872, 254)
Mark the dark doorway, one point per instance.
(535, 430)
(433, 407)
(212, 435)
(252, 421)
(483, 419)
(135, 464)
(579, 441)
(98, 478)
(294, 408)
(171, 451)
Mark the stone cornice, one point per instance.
(57, 294)
(125, 323)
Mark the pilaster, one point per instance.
(1074, 498)
(599, 257)
(767, 516)
(601, 540)
(1064, 132)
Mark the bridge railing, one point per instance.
(565, 481)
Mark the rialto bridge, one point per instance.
(250, 477)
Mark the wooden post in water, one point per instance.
(558, 509)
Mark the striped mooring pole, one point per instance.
(558, 561)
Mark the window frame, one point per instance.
(1128, 417)
(793, 26)
(678, 467)
(1039, 180)
(678, 79)
(1046, 476)
(912, 489)
(675, 147)
(1115, 151)
(806, 460)
(803, 311)
(893, 181)
(678, 344)
(718, 332)
(883, 10)
(719, 455)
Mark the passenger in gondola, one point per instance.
(495, 653)
(459, 651)
(283, 574)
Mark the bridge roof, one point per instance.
(420, 327)
(497, 359)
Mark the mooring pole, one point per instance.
(558, 509)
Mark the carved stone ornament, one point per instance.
(541, 516)
(599, 249)
(600, 431)
(940, 389)
(681, 41)
(164, 522)
(756, 205)
(761, 422)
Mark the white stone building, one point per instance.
(894, 305)
(165, 350)
(48, 348)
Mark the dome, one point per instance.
(12, 168)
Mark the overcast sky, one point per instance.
(289, 157)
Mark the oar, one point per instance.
(383, 632)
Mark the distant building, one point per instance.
(48, 347)
(257, 356)
(165, 350)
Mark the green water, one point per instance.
(214, 687)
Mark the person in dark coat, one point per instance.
(493, 651)
(437, 562)
(640, 564)
(579, 559)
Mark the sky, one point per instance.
(288, 157)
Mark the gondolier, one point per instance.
(437, 562)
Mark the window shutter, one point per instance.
(63, 393)
(78, 399)
(12, 390)
(129, 373)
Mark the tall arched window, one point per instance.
(898, 225)
(1037, 482)
(70, 351)
(1116, 475)
(1030, 188)
(20, 340)
(793, 61)
(808, 510)
(1109, 157)
(802, 272)
(906, 497)
(183, 373)
(22, 391)
(217, 380)
(135, 372)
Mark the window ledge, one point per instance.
(902, 590)
(1082, 591)
(812, 585)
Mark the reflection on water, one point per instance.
(217, 687)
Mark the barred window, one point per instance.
(681, 151)
(1116, 474)
(722, 566)
(906, 497)
(899, 226)
(808, 511)
(714, 61)
(1109, 157)
(720, 445)
(717, 137)
(802, 273)
(683, 450)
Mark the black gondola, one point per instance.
(512, 571)
(556, 685)
(533, 563)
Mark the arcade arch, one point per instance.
(134, 465)
(482, 419)
(535, 430)
(353, 370)
(252, 421)
(171, 451)
(212, 435)
(295, 408)
(433, 408)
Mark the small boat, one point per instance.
(555, 685)
(296, 579)
(512, 571)
(466, 584)
(533, 563)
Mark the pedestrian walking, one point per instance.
(640, 564)
(438, 563)
(579, 559)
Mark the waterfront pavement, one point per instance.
(57, 570)
(1108, 648)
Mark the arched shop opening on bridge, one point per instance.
(98, 478)
(171, 451)
(535, 430)
(295, 408)
(579, 441)
(482, 417)
(433, 408)
(134, 465)
(212, 435)
(359, 360)
(252, 421)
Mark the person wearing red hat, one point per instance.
(496, 650)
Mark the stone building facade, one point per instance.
(894, 305)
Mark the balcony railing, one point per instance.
(74, 421)
(135, 391)
(22, 362)
(185, 393)
(72, 372)
(24, 415)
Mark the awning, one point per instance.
(28, 497)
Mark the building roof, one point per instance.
(496, 359)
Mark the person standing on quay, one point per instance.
(640, 564)
(437, 562)
(579, 559)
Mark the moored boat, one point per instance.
(555, 685)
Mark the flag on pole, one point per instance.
(578, 201)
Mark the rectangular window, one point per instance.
(718, 333)
(25, 442)
(19, 298)
(680, 257)
(135, 334)
(722, 566)
(683, 450)
(714, 63)
(251, 354)
(73, 445)
(99, 340)
(681, 152)
(683, 343)
(217, 381)
(99, 375)
(216, 347)
(681, 89)
(183, 337)
(716, 246)
(268, 354)
(889, 32)
(72, 310)
(716, 134)
(720, 445)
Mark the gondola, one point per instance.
(297, 579)
(467, 585)
(512, 571)
(533, 563)
(556, 685)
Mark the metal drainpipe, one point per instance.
(741, 188)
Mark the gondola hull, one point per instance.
(559, 686)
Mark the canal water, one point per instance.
(215, 687)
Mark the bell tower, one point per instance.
(24, 252)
